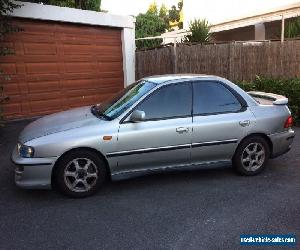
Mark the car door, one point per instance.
(163, 138)
(220, 120)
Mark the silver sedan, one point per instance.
(159, 123)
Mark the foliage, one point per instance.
(287, 87)
(163, 13)
(175, 14)
(6, 7)
(200, 30)
(92, 5)
(79, 4)
(292, 28)
(180, 25)
(155, 22)
(180, 5)
(149, 25)
(152, 9)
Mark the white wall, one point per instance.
(63, 14)
(128, 55)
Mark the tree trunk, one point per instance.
(78, 4)
(83, 4)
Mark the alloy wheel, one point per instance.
(253, 156)
(80, 175)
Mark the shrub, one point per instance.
(200, 31)
(292, 28)
(149, 25)
(287, 87)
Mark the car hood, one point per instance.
(58, 122)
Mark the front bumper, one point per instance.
(281, 142)
(32, 173)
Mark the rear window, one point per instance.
(212, 98)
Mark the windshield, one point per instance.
(115, 106)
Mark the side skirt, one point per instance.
(142, 172)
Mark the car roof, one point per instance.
(158, 79)
(162, 79)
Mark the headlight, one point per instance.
(25, 151)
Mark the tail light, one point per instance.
(289, 122)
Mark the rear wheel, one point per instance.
(251, 156)
(80, 173)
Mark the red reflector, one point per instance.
(288, 122)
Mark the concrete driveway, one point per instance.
(206, 209)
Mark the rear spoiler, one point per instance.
(277, 99)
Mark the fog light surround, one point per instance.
(19, 170)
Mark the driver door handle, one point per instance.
(181, 130)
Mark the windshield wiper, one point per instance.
(96, 112)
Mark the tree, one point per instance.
(153, 9)
(155, 22)
(175, 15)
(88, 4)
(200, 30)
(149, 25)
(292, 28)
(163, 13)
(6, 7)
(180, 5)
(79, 4)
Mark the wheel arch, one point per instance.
(97, 152)
(268, 140)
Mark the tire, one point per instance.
(251, 156)
(80, 173)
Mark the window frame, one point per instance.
(190, 83)
(239, 98)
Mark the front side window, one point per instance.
(212, 97)
(170, 101)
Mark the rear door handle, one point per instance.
(182, 130)
(244, 123)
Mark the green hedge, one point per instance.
(287, 87)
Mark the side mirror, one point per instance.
(137, 116)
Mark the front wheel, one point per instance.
(80, 173)
(251, 156)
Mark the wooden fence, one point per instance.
(235, 61)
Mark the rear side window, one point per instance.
(168, 102)
(212, 97)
